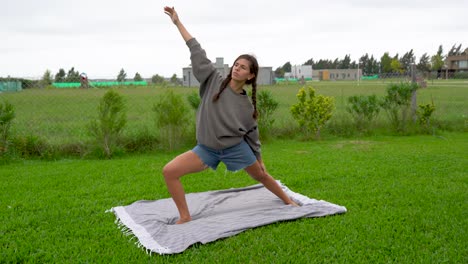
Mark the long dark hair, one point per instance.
(253, 82)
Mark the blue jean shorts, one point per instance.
(236, 157)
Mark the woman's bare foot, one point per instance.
(183, 220)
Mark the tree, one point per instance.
(287, 67)
(407, 60)
(47, 79)
(72, 75)
(454, 51)
(396, 65)
(364, 64)
(370, 65)
(175, 80)
(279, 72)
(121, 76)
(375, 65)
(60, 76)
(310, 62)
(156, 79)
(137, 77)
(385, 63)
(424, 64)
(437, 60)
(335, 64)
(323, 64)
(345, 63)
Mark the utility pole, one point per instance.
(358, 73)
(413, 95)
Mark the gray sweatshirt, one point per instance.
(227, 121)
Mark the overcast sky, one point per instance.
(100, 37)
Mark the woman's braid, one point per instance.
(254, 100)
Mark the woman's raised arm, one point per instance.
(170, 11)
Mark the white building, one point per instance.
(299, 72)
(265, 74)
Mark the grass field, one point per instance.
(62, 115)
(406, 197)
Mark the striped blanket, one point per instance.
(215, 215)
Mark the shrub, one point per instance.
(312, 112)
(460, 75)
(172, 119)
(31, 146)
(139, 141)
(397, 104)
(7, 114)
(111, 120)
(424, 116)
(266, 106)
(364, 109)
(194, 100)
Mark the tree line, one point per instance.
(74, 76)
(386, 64)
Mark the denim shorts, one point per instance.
(236, 157)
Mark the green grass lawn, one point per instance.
(406, 197)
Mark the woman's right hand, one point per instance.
(170, 11)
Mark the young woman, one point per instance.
(226, 124)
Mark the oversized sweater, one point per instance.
(228, 121)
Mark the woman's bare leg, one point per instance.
(181, 165)
(256, 172)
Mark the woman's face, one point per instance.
(241, 70)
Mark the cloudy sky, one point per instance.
(100, 37)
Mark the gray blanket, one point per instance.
(215, 215)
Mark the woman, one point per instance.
(226, 124)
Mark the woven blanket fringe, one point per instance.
(129, 233)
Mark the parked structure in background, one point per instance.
(10, 86)
(456, 63)
(337, 74)
(299, 72)
(265, 74)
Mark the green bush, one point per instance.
(266, 106)
(460, 75)
(397, 104)
(312, 112)
(110, 122)
(194, 100)
(31, 146)
(139, 141)
(364, 110)
(7, 114)
(172, 119)
(424, 116)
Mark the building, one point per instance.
(457, 63)
(337, 74)
(265, 74)
(299, 72)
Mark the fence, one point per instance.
(62, 115)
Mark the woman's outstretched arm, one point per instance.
(170, 11)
